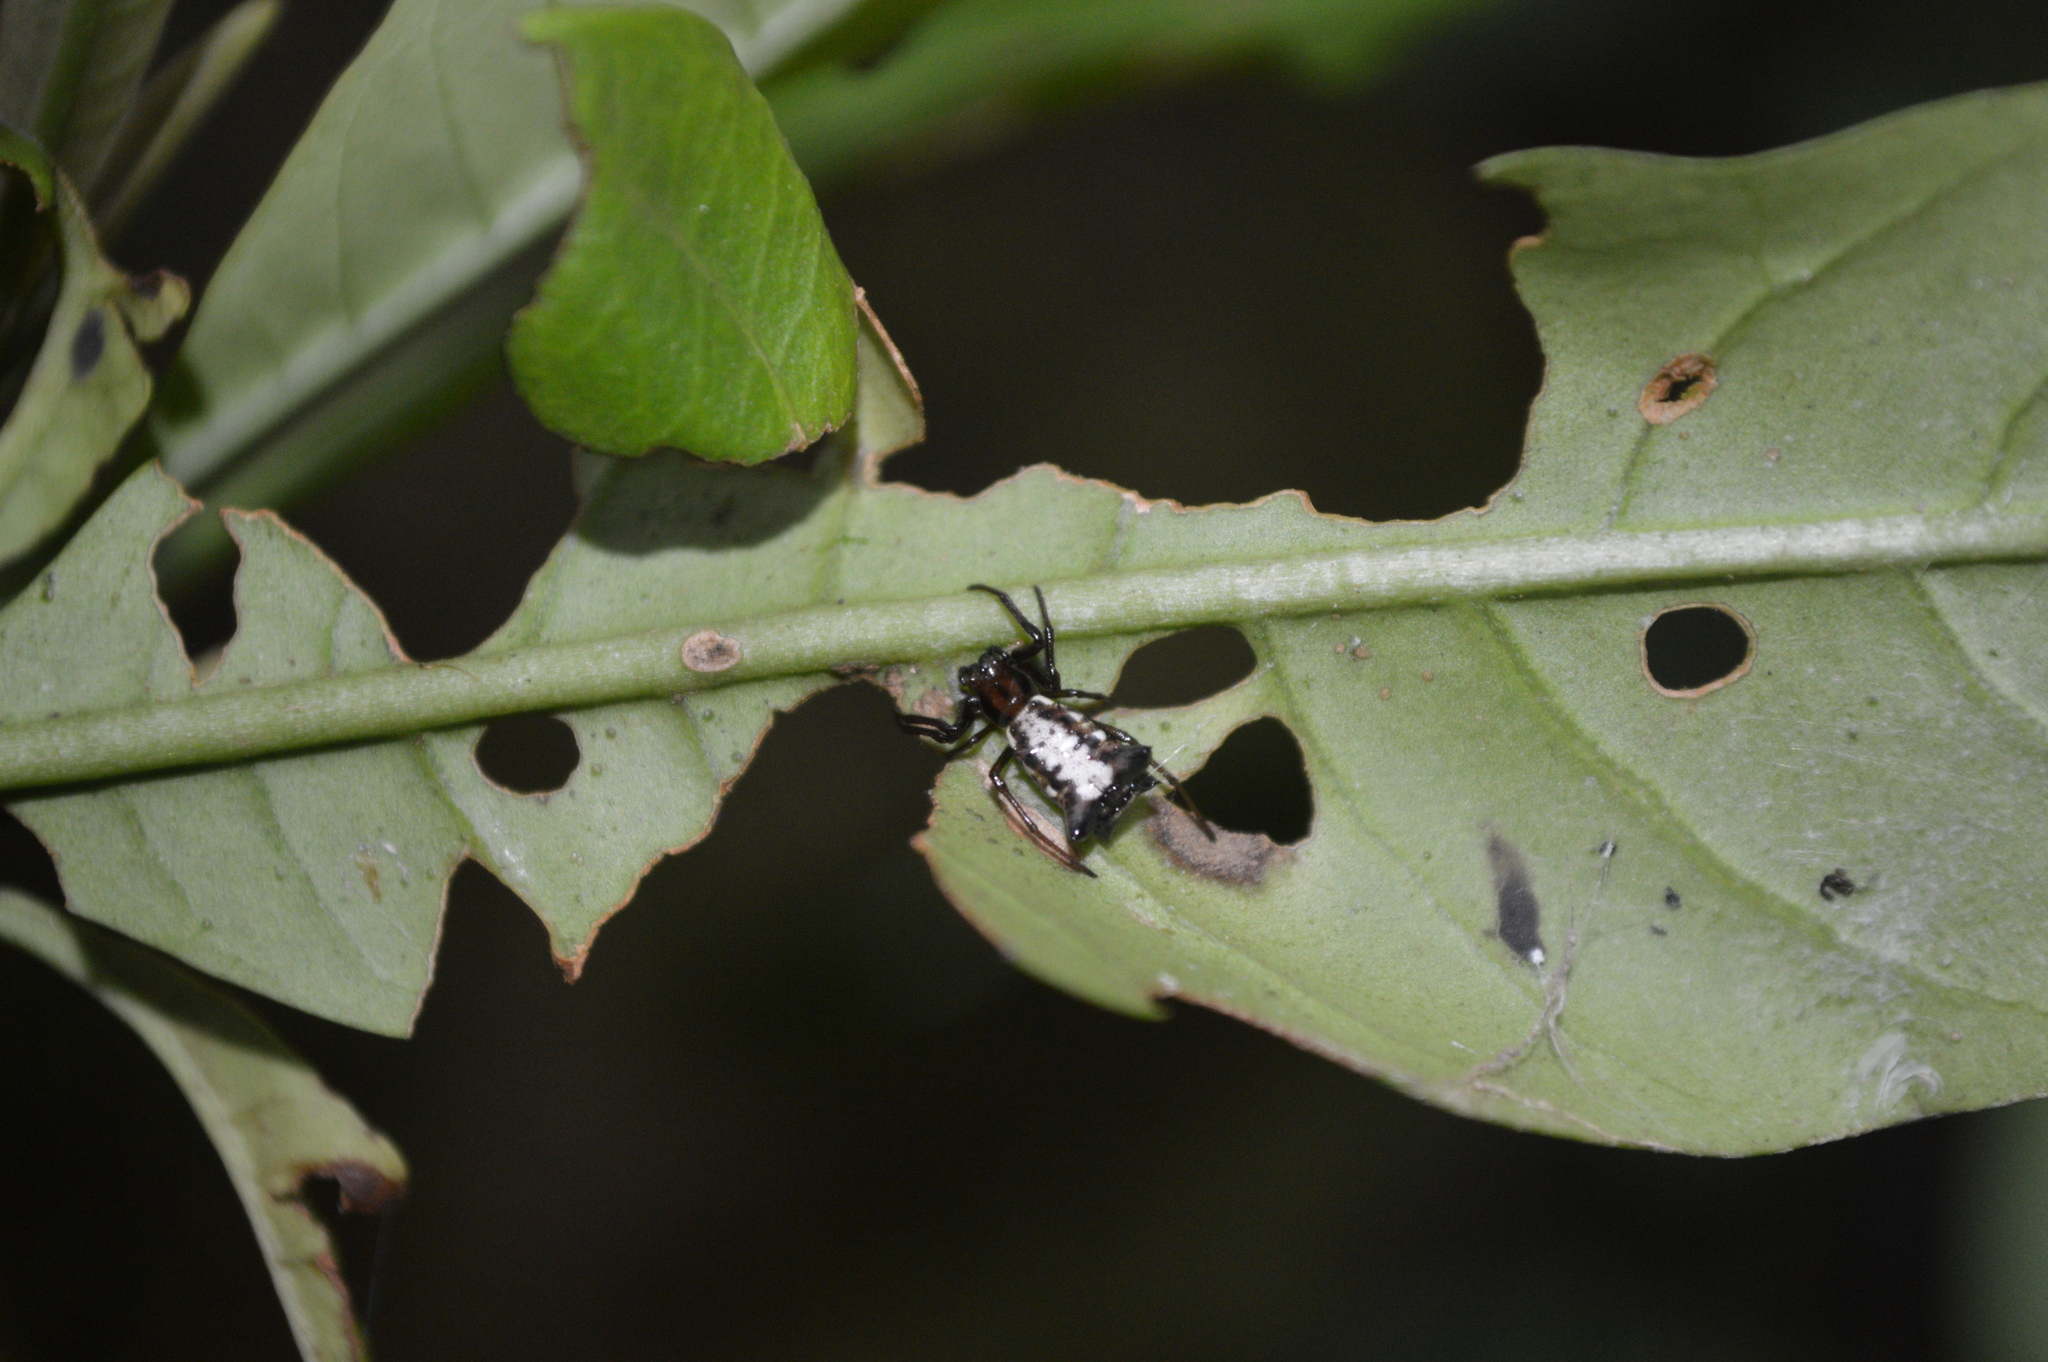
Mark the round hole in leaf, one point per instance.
(1689, 650)
(1256, 782)
(1183, 668)
(527, 753)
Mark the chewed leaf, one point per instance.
(319, 878)
(1687, 795)
(88, 383)
(698, 303)
(273, 1122)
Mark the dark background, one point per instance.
(796, 1108)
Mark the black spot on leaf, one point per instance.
(1517, 915)
(88, 343)
(1836, 884)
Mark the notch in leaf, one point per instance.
(697, 303)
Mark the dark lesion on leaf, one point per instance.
(88, 343)
(1517, 915)
(1679, 387)
(1836, 884)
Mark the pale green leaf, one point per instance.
(697, 302)
(87, 384)
(268, 1115)
(1866, 485)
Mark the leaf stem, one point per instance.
(415, 697)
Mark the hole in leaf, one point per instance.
(1679, 387)
(528, 753)
(1182, 668)
(201, 605)
(1256, 782)
(24, 864)
(1690, 650)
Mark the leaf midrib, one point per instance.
(413, 697)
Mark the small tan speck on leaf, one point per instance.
(1386, 692)
(1679, 387)
(707, 650)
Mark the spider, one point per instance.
(1093, 771)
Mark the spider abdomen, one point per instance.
(1093, 770)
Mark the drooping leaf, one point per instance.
(1538, 887)
(697, 303)
(273, 1122)
(971, 69)
(87, 384)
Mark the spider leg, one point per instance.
(955, 736)
(1023, 652)
(1030, 631)
(1068, 693)
(1052, 668)
(1014, 809)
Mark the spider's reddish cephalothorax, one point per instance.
(1093, 771)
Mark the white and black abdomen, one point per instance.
(1093, 770)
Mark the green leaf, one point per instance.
(318, 879)
(69, 70)
(387, 258)
(86, 386)
(973, 68)
(1865, 484)
(269, 1116)
(698, 303)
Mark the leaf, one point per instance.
(971, 68)
(1493, 772)
(319, 879)
(170, 106)
(697, 302)
(272, 1120)
(69, 70)
(388, 256)
(86, 387)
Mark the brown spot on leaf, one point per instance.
(1232, 857)
(366, 866)
(1679, 387)
(707, 650)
